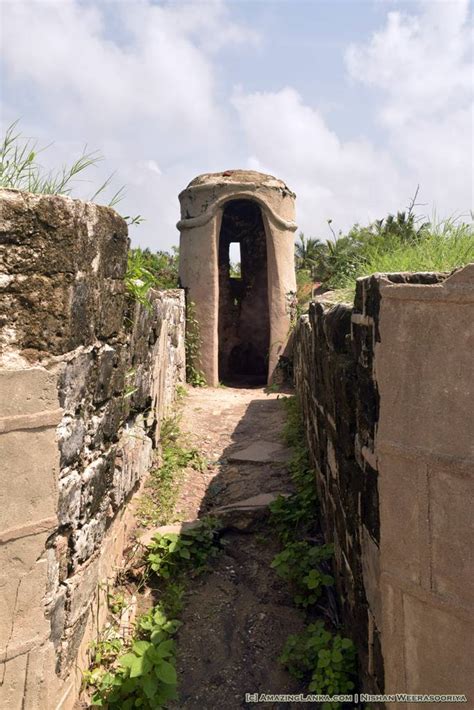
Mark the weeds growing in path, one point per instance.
(145, 675)
(157, 503)
(326, 660)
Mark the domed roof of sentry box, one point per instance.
(238, 177)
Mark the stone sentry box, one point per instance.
(244, 322)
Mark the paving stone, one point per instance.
(262, 452)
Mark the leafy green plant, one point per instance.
(293, 517)
(326, 660)
(116, 602)
(145, 676)
(181, 392)
(193, 342)
(147, 270)
(105, 651)
(171, 553)
(299, 563)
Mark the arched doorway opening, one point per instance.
(244, 319)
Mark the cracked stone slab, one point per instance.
(262, 452)
(246, 514)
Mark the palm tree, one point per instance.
(308, 252)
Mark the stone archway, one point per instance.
(244, 318)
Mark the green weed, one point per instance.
(171, 554)
(147, 270)
(299, 563)
(145, 676)
(20, 169)
(294, 516)
(325, 660)
(156, 505)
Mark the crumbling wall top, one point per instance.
(249, 178)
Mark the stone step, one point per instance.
(246, 514)
(243, 515)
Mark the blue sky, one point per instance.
(351, 103)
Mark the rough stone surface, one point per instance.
(385, 387)
(86, 377)
(333, 354)
(246, 515)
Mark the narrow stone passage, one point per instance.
(238, 615)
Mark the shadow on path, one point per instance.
(238, 616)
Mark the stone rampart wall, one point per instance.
(387, 389)
(85, 378)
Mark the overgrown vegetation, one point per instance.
(157, 503)
(193, 342)
(170, 554)
(145, 675)
(294, 517)
(324, 659)
(327, 659)
(147, 270)
(140, 672)
(300, 564)
(393, 244)
(160, 270)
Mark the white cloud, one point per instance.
(422, 67)
(419, 67)
(139, 80)
(345, 181)
(144, 94)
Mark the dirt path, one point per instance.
(238, 615)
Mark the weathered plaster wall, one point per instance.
(387, 391)
(85, 378)
(202, 206)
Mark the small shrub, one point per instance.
(147, 270)
(326, 660)
(299, 563)
(145, 676)
(171, 553)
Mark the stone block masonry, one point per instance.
(85, 378)
(387, 389)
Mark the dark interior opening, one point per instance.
(244, 319)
